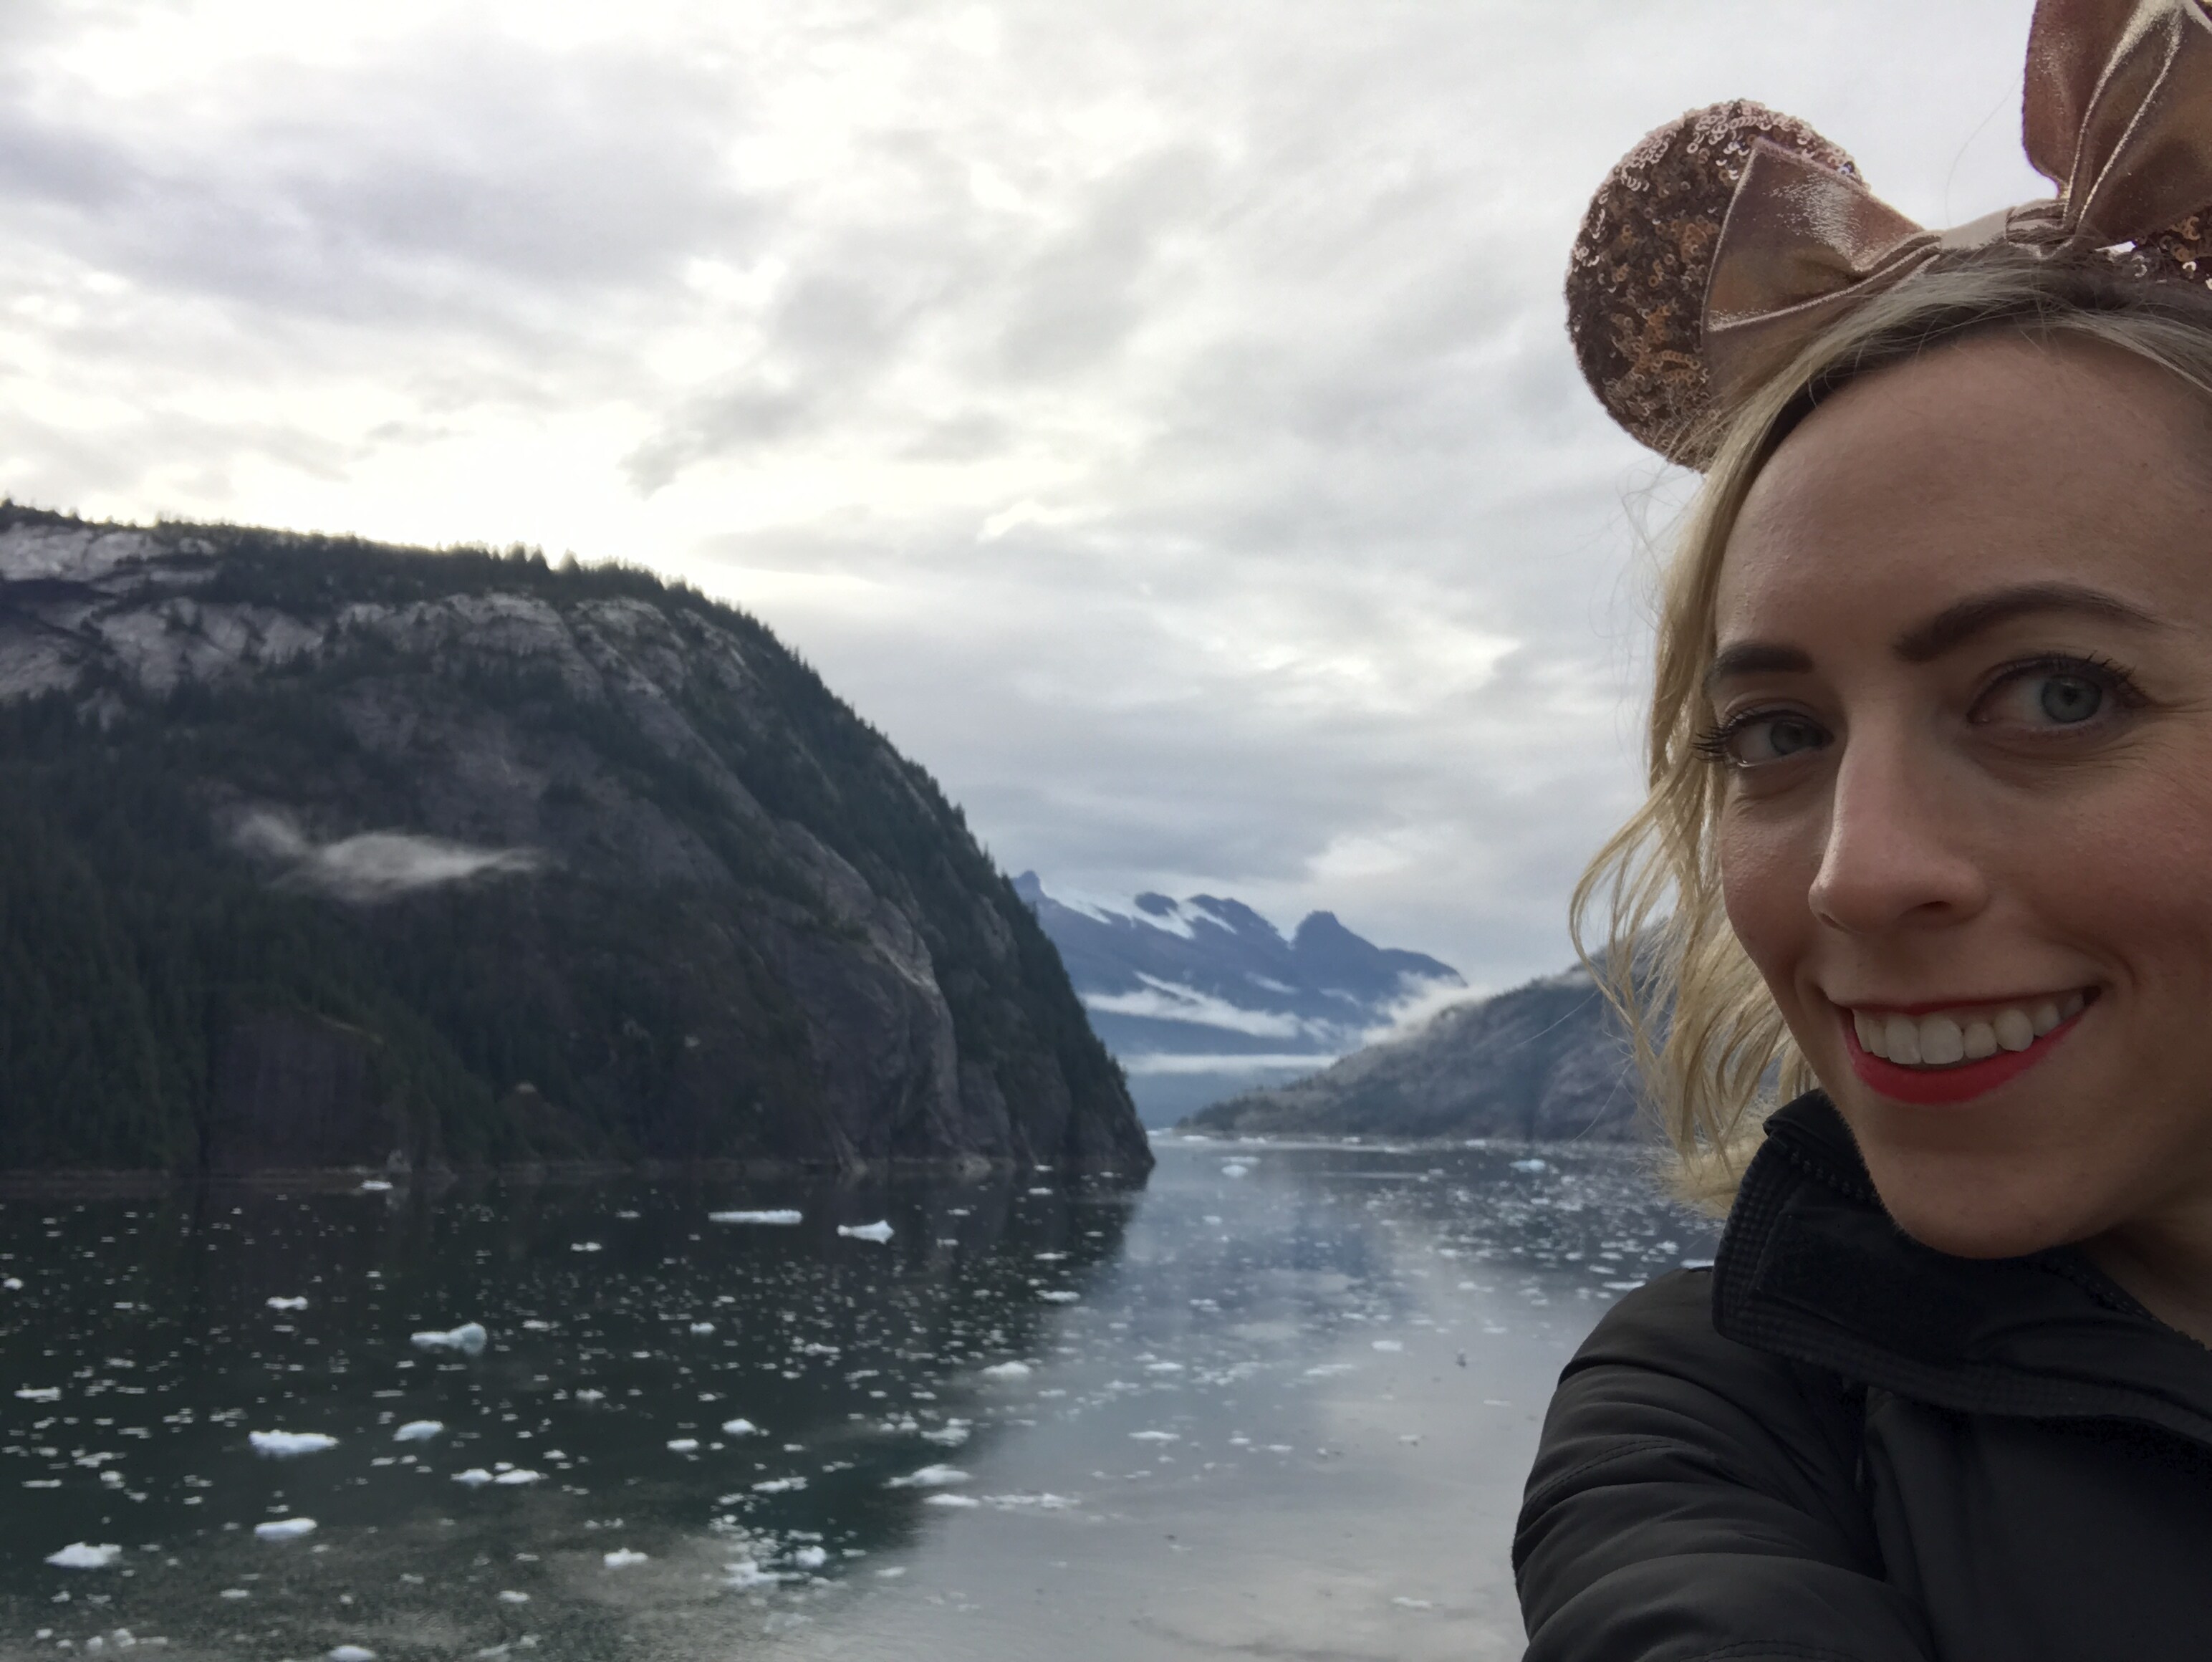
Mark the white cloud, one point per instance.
(1164, 1000)
(374, 866)
(1156, 417)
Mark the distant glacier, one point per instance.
(1203, 998)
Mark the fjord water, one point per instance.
(1280, 1401)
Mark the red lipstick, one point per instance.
(1958, 1083)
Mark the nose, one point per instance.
(1897, 854)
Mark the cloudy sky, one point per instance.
(1154, 414)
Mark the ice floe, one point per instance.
(877, 1232)
(474, 1477)
(40, 1394)
(769, 1217)
(469, 1338)
(929, 1477)
(622, 1558)
(739, 1428)
(1007, 1371)
(288, 1304)
(287, 1444)
(285, 1528)
(418, 1431)
(79, 1554)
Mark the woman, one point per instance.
(1930, 828)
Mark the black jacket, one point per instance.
(1837, 1445)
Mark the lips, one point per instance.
(1960, 1082)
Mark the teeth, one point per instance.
(1903, 1036)
(1940, 1041)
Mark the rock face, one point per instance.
(326, 853)
(1547, 1061)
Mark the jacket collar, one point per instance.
(1810, 1267)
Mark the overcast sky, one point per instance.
(1154, 414)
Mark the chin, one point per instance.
(1971, 1211)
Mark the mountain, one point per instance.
(320, 852)
(1547, 1061)
(1203, 997)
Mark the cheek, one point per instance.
(1766, 869)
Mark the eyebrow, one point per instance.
(1947, 631)
(1960, 623)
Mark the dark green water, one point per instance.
(1278, 1402)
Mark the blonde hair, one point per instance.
(1710, 1045)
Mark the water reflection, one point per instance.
(1280, 1400)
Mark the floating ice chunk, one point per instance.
(469, 1338)
(951, 1436)
(746, 1573)
(352, 1652)
(1329, 1370)
(809, 1558)
(11, 1285)
(1391, 1346)
(474, 1477)
(80, 1555)
(590, 1396)
(515, 1598)
(701, 1330)
(622, 1558)
(1530, 1166)
(1404, 1603)
(929, 1477)
(1007, 1371)
(682, 1445)
(951, 1501)
(418, 1431)
(375, 1186)
(1163, 1368)
(778, 1485)
(285, 1528)
(1155, 1437)
(739, 1428)
(584, 1246)
(40, 1394)
(1687, 1263)
(283, 1444)
(770, 1217)
(879, 1232)
(288, 1304)
(1235, 1169)
(517, 1477)
(1061, 1296)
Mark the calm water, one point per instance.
(1279, 1402)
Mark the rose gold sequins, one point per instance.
(1636, 281)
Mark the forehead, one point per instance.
(1993, 462)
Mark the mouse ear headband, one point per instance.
(1722, 244)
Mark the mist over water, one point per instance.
(1280, 1401)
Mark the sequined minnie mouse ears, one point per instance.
(1726, 240)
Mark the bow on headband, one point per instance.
(2118, 114)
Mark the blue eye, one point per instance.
(2067, 699)
(1759, 737)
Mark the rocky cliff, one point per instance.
(320, 852)
(1547, 1061)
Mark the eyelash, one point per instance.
(1712, 744)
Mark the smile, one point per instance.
(1949, 1055)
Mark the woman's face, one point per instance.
(1963, 697)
